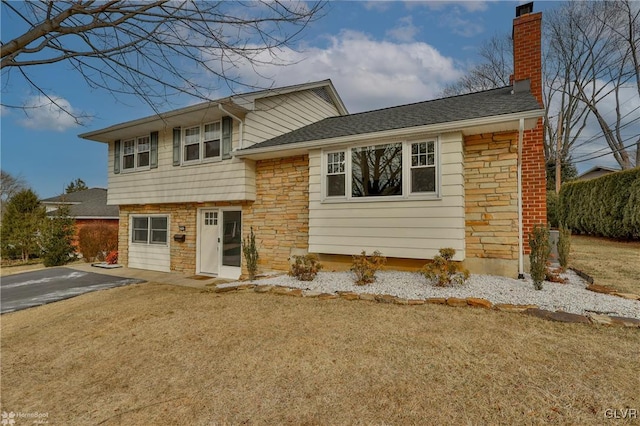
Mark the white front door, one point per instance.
(209, 241)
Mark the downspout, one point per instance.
(237, 119)
(520, 244)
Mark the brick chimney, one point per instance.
(527, 64)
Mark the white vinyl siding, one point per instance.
(276, 115)
(228, 180)
(153, 256)
(406, 228)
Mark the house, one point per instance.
(595, 172)
(465, 172)
(87, 207)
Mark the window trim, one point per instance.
(406, 173)
(135, 140)
(149, 241)
(201, 142)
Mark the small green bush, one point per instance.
(365, 267)
(250, 252)
(95, 241)
(540, 250)
(564, 246)
(444, 272)
(305, 268)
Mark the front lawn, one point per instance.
(612, 263)
(158, 354)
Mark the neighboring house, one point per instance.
(595, 172)
(308, 177)
(87, 207)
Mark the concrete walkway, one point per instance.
(173, 278)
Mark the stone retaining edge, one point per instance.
(533, 310)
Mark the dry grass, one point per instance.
(612, 263)
(157, 354)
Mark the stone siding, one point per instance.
(280, 213)
(491, 196)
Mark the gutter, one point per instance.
(407, 131)
(520, 244)
(237, 119)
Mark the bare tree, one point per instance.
(494, 70)
(590, 53)
(151, 49)
(596, 44)
(10, 185)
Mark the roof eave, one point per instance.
(530, 118)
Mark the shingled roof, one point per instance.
(90, 203)
(488, 103)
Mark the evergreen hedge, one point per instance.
(608, 206)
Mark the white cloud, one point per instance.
(469, 6)
(457, 24)
(52, 113)
(405, 31)
(377, 5)
(367, 73)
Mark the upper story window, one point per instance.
(135, 153)
(397, 170)
(202, 142)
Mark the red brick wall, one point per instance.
(528, 65)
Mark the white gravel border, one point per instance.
(572, 297)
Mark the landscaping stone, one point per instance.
(629, 296)
(415, 302)
(385, 298)
(627, 322)
(297, 292)
(401, 301)
(436, 300)
(327, 296)
(479, 303)
(367, 296)
(311, 293)
(599, 319)
(280, 290)
(600, 289)
(507, 307)
(263, 288)
(348, 295)
(557, 316)
(457, 302)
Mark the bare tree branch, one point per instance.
(155, 49)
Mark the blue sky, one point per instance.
(377, 54)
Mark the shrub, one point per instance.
(564, 246)
(443, 271)
(540, 250)
(365, 267)
(250, 252)
(305, 268)
(112, 257)
(96, 240)
(57, 238)
(606, 206)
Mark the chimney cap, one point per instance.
(524, 9)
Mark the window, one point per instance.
(335, 174)
(399, 170)
(202, 142)
(136, 153)
(423, 167)
(376, 171)
(149, 229)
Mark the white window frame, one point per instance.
(136, 153)
(427, 165)
(150, 230)
(406, 173)
(326, 173)
(201, 144)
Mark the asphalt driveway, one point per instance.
(28, 289)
